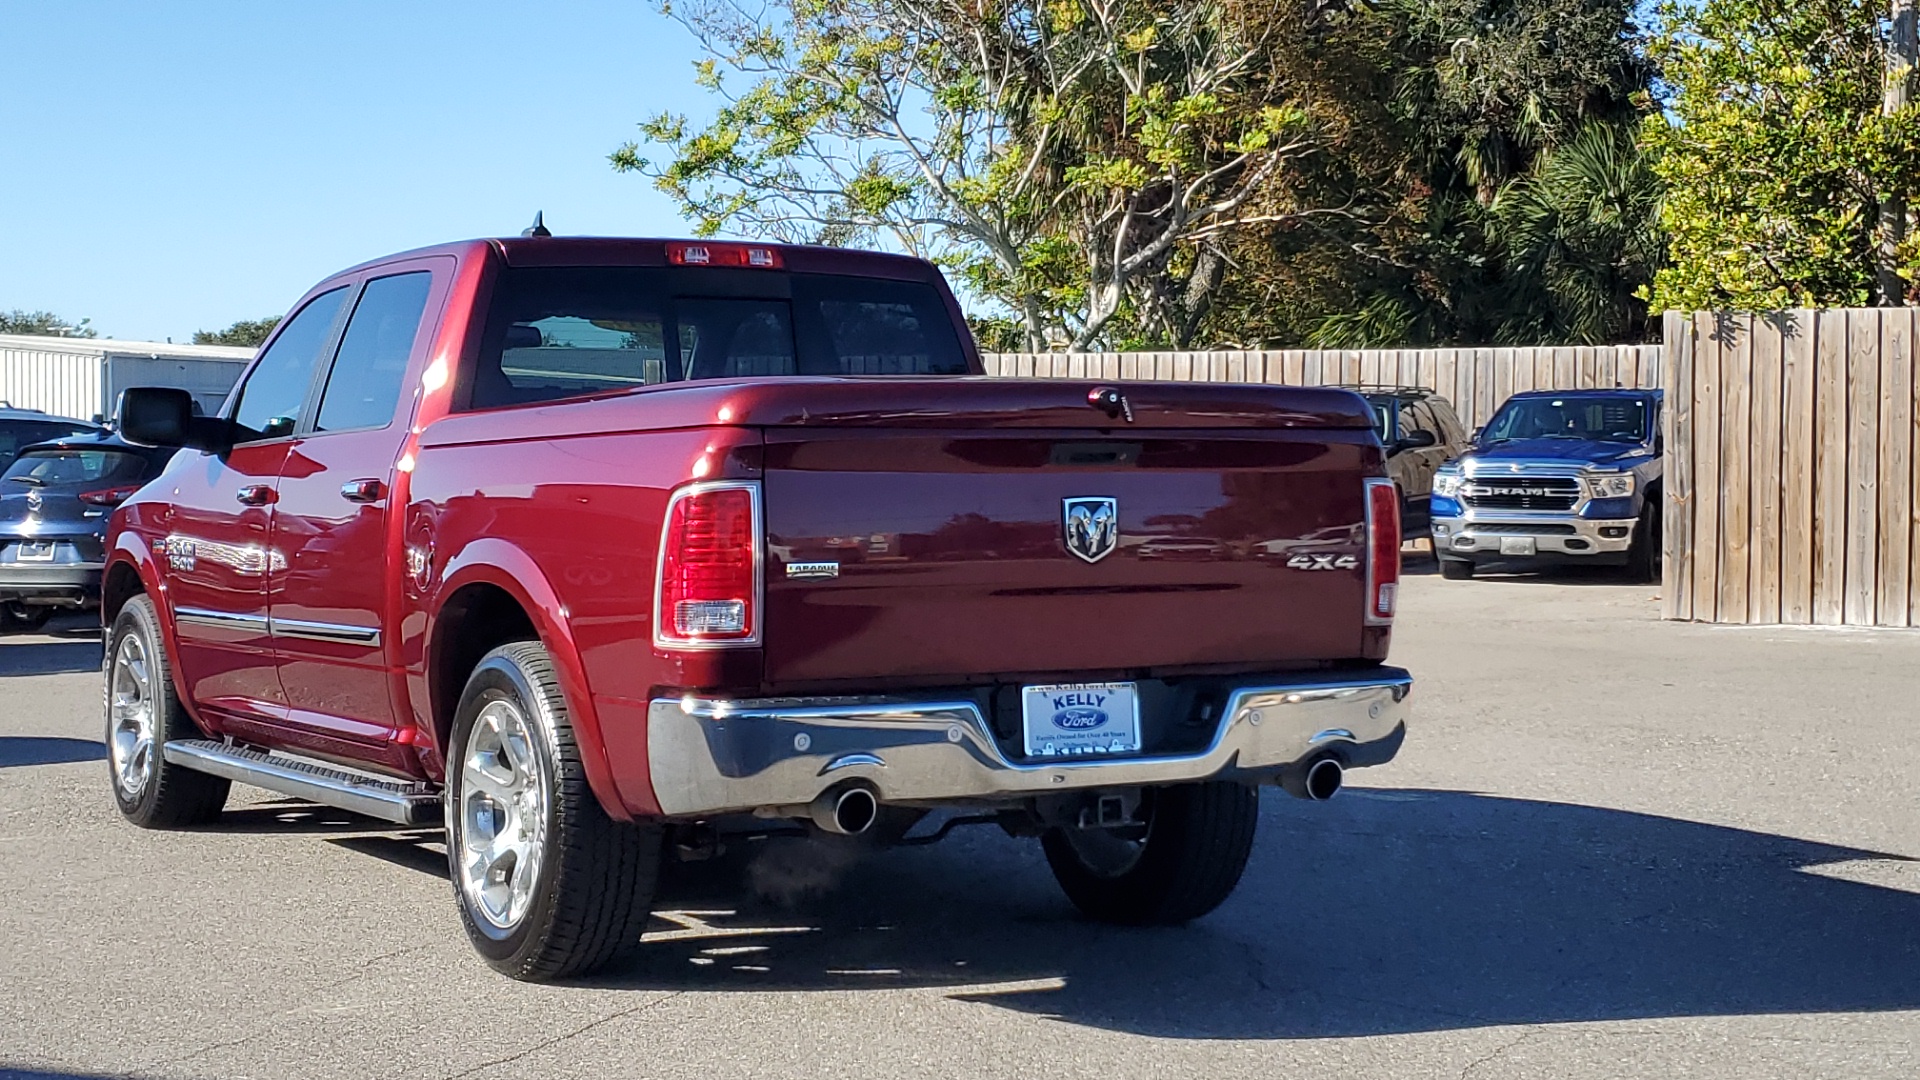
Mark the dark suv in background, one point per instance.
(55, 498)
(1421, 433)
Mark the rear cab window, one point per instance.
(561, 332)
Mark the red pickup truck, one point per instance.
(603, 550)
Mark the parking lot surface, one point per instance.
(1611, 847)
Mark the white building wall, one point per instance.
(59, 382)
(83, 377)
(207, 380)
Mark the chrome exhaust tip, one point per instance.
(847, 811)
(1319, 781)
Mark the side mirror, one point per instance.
(1413, 440)
(164, 416)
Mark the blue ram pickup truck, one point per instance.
(1555, 478)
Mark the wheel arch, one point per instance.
(131, 571)
(493, 593)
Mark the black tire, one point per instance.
(1456, 569)
(151, 791)
(1643, 556)
(1198, 838)
(593, 883)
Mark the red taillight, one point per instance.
(1383, 551)
(709, 589)
(752, 256)
(109, 496)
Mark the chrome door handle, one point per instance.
(254, 495)
(363, 491)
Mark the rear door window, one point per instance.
(1452, 431)
(363, 389)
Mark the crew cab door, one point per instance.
(218, 557)
(329, 602)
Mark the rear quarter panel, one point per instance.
(571, 527)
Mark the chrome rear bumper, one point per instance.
(709, 757)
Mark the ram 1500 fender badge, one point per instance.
(1092, 527)
(1324, 562)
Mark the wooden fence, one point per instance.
(1791, 472)
(1475, 380)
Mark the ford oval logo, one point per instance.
(1082, 719)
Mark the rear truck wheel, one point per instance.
(143, 715)
(1643, 552)
(1456, 569)
(549, 886)
(1183, 863)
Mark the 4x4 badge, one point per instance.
(1324, 562)
(1092, 527)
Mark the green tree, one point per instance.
(1498, 193)
(44, 323)
(250, 333)
(1778, 159)
(1580, 240)
(1081, 161)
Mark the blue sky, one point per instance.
(168, 167)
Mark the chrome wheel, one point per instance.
(130, 691)
(503, 815)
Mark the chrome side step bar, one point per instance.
(389, 800)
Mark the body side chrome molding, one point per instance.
(324, 631)
(293, 628)
(221, 620)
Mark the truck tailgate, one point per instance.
(915, 553)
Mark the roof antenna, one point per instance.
(539, 226)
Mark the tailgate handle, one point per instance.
(1109, 400)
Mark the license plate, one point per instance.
(1081, 719)
(34, 552)
(1518, 545)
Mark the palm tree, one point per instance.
(1581, 239)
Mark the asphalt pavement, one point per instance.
(1612, 847)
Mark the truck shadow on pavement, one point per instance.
(18, 750)
(1383, 911)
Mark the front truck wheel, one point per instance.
(549, 886)
(1643, 551)
(1456, 569)
(143, 715)
(1184, 863)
